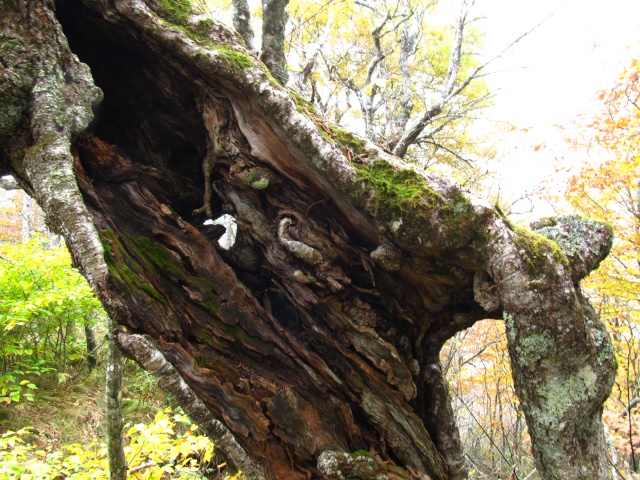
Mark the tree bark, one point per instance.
(274, 20)
(92, 346)
(114, 418)
(315, 338)
(242, 22)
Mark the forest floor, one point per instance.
(72, 411)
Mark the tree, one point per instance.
(606, 187)
(315, 338)
(414, 85)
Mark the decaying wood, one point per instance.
(318, 333)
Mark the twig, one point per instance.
(486, 433)
(142, 467)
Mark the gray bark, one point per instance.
(89, 333)
(343, 287)
(242, 22)
(274, 20)
(114, 418)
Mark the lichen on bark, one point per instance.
(319, 330)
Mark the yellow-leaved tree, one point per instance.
(607, 187)
(400, 71)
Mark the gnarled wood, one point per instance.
(319, 331)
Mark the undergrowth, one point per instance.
(60, 434)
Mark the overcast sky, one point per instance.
(552, 75)
(554, 72)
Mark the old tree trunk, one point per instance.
(310, 348)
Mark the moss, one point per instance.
(301, 102)
(10, 45)
(108, 254)
(175, 11)
(206, 362)
(236, 60)
(348, 139)
(126, 275)
(538, 249)
(360, 453)
(397, 190)
(159, 257)
(203, 26)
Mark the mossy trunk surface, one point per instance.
(315, 339)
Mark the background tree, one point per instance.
(414, 84)
(349, 270)
(606, 186)
(493, 430)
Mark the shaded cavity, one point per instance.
(150, 107)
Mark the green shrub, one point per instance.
(155, 451)
(44, 306)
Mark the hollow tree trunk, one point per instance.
(315, 338)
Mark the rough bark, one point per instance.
(315, 338)
(92, 346)
(114, 418)
(242, 22)
(274, 20)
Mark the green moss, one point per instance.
(165, 265)
(159, 257)
(500, 210)
(301, 102)
(108, 254)
(398, 190)
(236, 60)
(203, 26)
(10, 45)
(348, 139)
(126, 275)
(360, 453)
(175, 11)
(206, 362)
(538, 249)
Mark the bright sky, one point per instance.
(555, 71)
(553, 74)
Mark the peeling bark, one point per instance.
(318, 333)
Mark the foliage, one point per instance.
(491, 421)
(44, 305)
(606, 187)
(382, 68)
(168, 448)
(381, 65)
(10, 221)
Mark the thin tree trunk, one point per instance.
(242, 22)
(114, 417)
(92, 360)
(274, 20)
